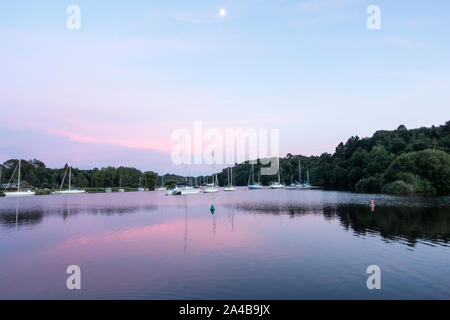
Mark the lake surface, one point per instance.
(261, 244)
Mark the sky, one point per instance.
(114, 91)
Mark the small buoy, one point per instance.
(372, 206)
(212, 209)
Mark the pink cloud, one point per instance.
(155, 145)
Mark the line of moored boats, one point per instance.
(179, 189)
(186, 189)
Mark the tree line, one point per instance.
(34, 173)
(399, 161)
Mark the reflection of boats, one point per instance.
(70, 190)
(278, 184)
(230, 186)
(18, 193)
(253, 185)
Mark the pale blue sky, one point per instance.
(112, 92)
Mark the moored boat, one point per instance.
(18, 193)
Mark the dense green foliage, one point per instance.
(34, 173)
(400, 161)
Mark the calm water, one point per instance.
(263, 244)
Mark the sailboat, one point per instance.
(214, 186)
(278, 184)
(299, 184)
(70, 190)
(187, 189)
(120, 185)
(307, 184)
(140, 189)
(292, 186)
(162, 187)
(18, 193)
(253, 185)
(230, 186)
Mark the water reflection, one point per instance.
(33, 216)
(421, 220)
(255, 245)
(412, 224)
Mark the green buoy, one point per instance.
(212, 209)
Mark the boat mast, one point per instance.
(231, 176)
(18, 177)
(70, 175)
(299, 172)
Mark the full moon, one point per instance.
(223, 12)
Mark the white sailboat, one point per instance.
(292, 185)
(307, 184)
(162, 187)
(70, 190)
(213, 187)
(18, 193)
(187, 189)
(299, 184)
(173, 191)
(278, 184)
(120, 185)
(230, 186)
(253, 185)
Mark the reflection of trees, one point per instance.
(409, 223)
(12, 217)
(392, 223)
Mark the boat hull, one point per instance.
(254, 187)
(20, 194)
(229, 189)
(277, 186)
(70, 191)
(189, 191)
